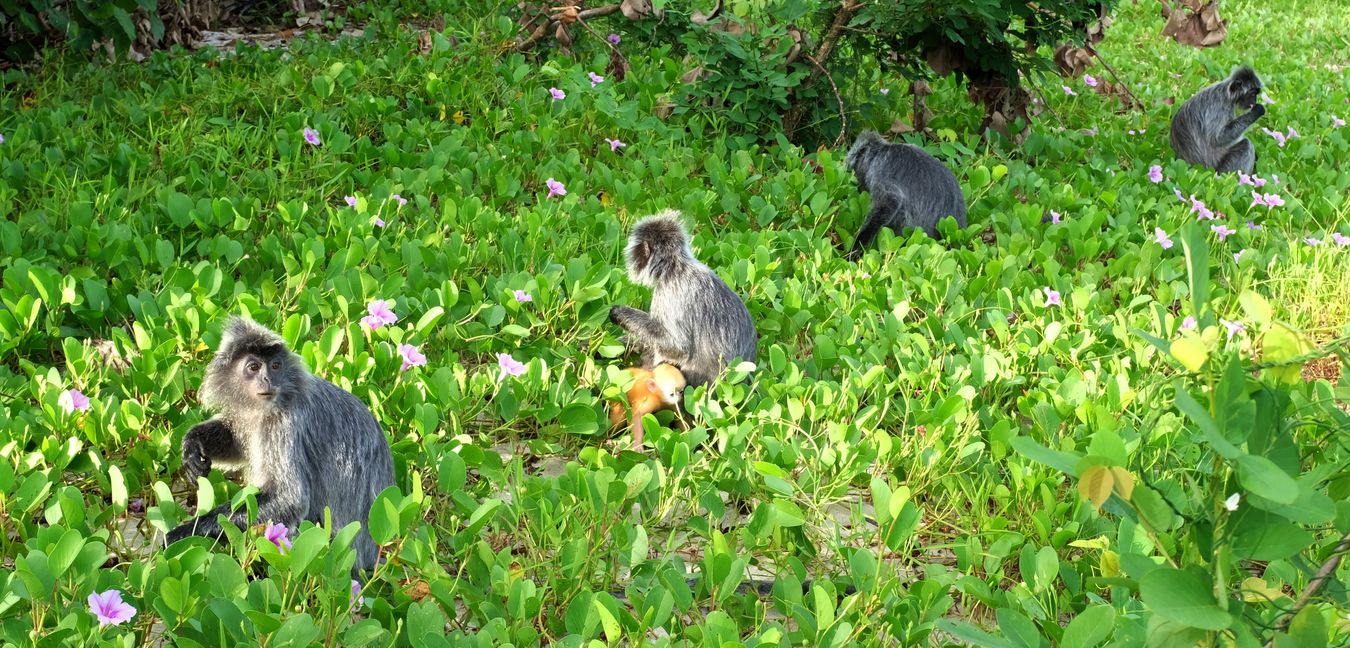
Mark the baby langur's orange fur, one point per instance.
(653, 390)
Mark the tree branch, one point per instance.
(1316, 583)
(550, 25)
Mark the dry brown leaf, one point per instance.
(566, 15)
(424, 42)
(692, 75)
(663, 108)
(899, 127)
(638, 9)
(1194, 22)
(1072, 61)
(943, 59)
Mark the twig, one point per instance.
(1115, 76)
(608, 44)
(1315, 584)
(841, 17)
(549, 25)
(843, 118)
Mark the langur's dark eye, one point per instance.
(276, 365)
(253, 366)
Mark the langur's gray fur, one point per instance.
(696, 322)
(909, 188)
(305, 443)
(1205, 132)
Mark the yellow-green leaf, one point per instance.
(1095, 485)
(1256, 307)
(1190, 352)
(1281, 344)
(1110, 564)
(1099, 542)
(1256, 590)
(1123, 482)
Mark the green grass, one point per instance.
(145, 203)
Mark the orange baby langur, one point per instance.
(653, 390)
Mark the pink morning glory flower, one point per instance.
(510, 366)
(1233, 327)
(1051, 296)
(1277, 135)
(1055, 217)
(1131, 131)
(1177, 192)
(558, 95)
(1274, 200)
(522, 296)
(1161, 238)
(1314, 242)
(555, 188)
(1340, 239)
(613, 39)
(399, 199)
(1188, 323)
(1244, 179)
(1336, 122)
(1222, 230)
(356, 594)
(1237, 256)
(350, 200)
(1155, 174)
(2, 138)
(1276, 176)
(1258, 181)
(1202, 211)
(312, 136)
(1069, 91)
(109, 608)
(279, 535)
(1258, 199)
(1251, 225)
(596, 79)
(885, 91)
(72, 400)
(1090, 80)
(381, 314)
(1291, 134)
(411, 357)
(379, 222)
(614, 144)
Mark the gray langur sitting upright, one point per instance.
(1205, 132)
(696, 322)
(302, 441)
(909, 188)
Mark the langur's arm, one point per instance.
(210, 441)
(275, 506)
(878, 215)
(647, 333)
(1234, 129)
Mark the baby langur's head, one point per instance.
(670, 383)
(253, 370)
(1244, 87)
(658, 245)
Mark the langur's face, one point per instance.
(263, 377)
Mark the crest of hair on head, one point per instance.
(658, 247)
(866, 139)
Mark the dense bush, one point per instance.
(1109, 412)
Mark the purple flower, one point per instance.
(379, 222)
(71, 400)
(1131, 131)
(109, 608)
(1237, 256)
(2, 137)
(614, 144)
(1277, 135)
(411, 357)
(1244, 179)
(1276, 176)
(1336, 122)
(1177, 192)
(350, 200)
(1291, 134)
(1054, 217)
(1233, 327)
(522, 296)
(885, 91)
(509, 366)
(1253, 226)
(356, 600)
(1155, 174)
(1069, 91)
(1051, 296)
(381, 314)
(1258, 199)
(1314, 242)
(613, 39)
(1090, 80)
(1274, 200)
(558, 95)
(1202, 212)
(1265, 99)
(399, 199)
(1161, 238)
(555, 188)
(1340, 239)
(1188, 323)
(279, 535)
(1258, 181)
(1222, 230)
(596, 79)
(312, 136)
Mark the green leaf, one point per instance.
(1184, 597)
(579, 419)
(1196, 250)
(1256, 307)
(1260, 475)
(1209, 430)
(1190, 351)
(1065, 462)
(1309, 628)
(1090, 628)
(1152, 508)
(1018, 628)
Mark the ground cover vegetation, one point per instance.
(1111, 411)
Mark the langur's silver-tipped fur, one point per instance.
(1205, 132)
(909, 188)
(696, 322)
(305, 443)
